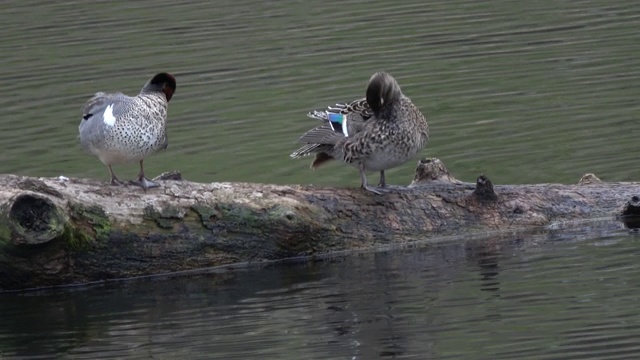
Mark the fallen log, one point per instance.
(56, 231)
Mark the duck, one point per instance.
(375, 133)
(122, 129)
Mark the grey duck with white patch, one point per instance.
(119, 129)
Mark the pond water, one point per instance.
(524, 92)
(555, 298)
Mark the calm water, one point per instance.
(524, 92)
(556, 299)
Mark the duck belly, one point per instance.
(385, 160)
(112, 148)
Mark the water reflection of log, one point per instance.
(62, 231)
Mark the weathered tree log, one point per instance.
(56, 231)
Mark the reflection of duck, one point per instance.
(118, 128)
(376, 133)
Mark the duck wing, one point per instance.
(340, 120)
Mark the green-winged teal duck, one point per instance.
(119, 129)
(381, 131)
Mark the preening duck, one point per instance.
(381, 131)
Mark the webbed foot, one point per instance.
(145, 183)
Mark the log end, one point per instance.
(34, 219)
(432, 170)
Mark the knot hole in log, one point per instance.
(631, 213)
(34, 220)
(484, 189)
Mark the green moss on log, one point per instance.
(91, 222)
(5, 229)
(240, 216)
(230, 216)
(166, 217)
(207, 215)
(281, 213)
(76, 240)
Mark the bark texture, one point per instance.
(56, 231)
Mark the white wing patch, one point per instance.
(108, 117)
(345, 130)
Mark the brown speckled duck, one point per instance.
(119, 129)
(379, 132)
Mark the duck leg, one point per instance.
(143, 181)
(114, 179)
(383, 181)
(363, 178)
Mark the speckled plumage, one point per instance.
(385, 130)
(119, 129)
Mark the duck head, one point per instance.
(382, 90)
(161, 82)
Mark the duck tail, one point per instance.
(318, 149)
(383, 89)
(320, 159)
